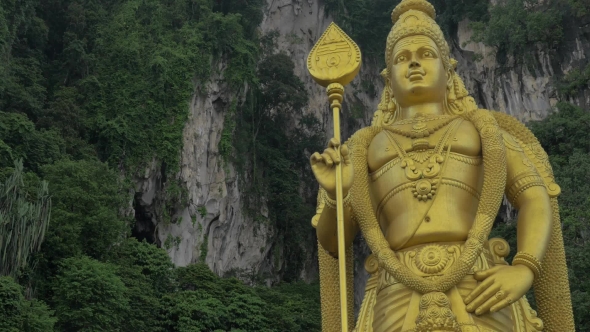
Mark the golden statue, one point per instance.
(424, 184)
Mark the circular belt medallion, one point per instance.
(432, 259)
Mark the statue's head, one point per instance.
(419, 68)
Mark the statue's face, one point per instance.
(417, 73)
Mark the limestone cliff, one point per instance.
(212, 226)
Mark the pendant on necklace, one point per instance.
(420, 144)
(425, 189)
(420, 129)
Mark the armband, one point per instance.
(521, 183)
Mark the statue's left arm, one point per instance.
(525, 189)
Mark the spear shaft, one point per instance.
(335, 95)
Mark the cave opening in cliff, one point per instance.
(144, 228)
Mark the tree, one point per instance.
(89, 296)
(23, 221)
(192, 311)
(87, 201)
(148, 274)
(20, 315)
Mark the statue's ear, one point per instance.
(452, 93)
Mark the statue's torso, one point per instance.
(448, 216)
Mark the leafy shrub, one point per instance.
(20, 315)
(89, 296)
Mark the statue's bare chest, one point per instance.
(463, 139)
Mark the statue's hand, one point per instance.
(324, 168)
(500, 286)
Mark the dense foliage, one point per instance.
(90, 92)
(23, 221)
(516, 25)
(18, 314)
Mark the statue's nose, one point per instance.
(414, 64)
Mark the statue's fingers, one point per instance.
(333, 155)
(345, 153)
(501, 305)
(315, 158)
(483, 298)
(481, 275)
(327, 159)
(484, 301)
(495, 298)
(334, 143)
(481, 288)
(478, 290)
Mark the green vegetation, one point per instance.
(516, 26)
(18, 314)
(369, 21)
(225, 143)
(87, 293)
(22, 223)
(90, 93)
(574, 82)
(204, 249)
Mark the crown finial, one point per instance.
(421, 5)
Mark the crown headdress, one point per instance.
(416, 17)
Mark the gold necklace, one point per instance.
(426, 178)
(420, 128)
(421, 118)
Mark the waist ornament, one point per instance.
(433, 260)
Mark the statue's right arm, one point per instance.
(327, 229)
(324, 169)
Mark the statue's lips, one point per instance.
(416, 76)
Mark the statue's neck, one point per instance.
(423, 109)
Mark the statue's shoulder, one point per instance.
(510, 127)
(363, 137)
(514, 129)
(517, 135)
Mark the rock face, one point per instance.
(211, 225)
(525, 93)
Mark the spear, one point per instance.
(333, 62)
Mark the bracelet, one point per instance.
(528, 260)
(332, 202)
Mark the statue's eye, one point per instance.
(400, 58)
(428, 54)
